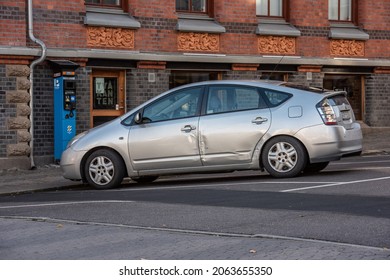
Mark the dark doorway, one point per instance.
(352, 84)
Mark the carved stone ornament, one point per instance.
(198, 42)
(276, 45)
(110, 37)
(346, 48)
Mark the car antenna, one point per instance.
(276, 66)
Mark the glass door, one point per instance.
(107, 96)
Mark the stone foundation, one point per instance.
(16, 123)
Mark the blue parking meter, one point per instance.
(64, 109)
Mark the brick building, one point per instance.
(144, 47)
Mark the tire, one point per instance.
(284, 157)
(315, 167)
(104, 169)
(144, 179)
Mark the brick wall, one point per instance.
(235, 11)
(60, 24)
(83, 99)
(377, 100)
(301, 78)
(313, 13)
(374, 15)
(153, 8)
(13, 23)
(139, 90)
(43, 112)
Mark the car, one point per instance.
(282, 128)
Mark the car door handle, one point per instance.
(188, 128)
(259, 120)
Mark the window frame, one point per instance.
(285, 9)
(209, 8)
(123, 4)
(354, 11)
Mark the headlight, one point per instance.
(76, 138)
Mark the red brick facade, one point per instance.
(60, 25)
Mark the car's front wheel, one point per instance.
(104, 169)
(284, 157)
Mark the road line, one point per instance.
(336, 184)
(65, 203)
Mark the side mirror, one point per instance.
(138, 118)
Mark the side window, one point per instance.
(113, 3)
(232, 98)
(276, 98)
(341, 10)
(180, 104)
(192, 6)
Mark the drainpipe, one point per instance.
(32, 66)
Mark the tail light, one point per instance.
(326, 112)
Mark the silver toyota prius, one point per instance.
(218, 126)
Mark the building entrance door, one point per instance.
(353, 85)
(107, 96)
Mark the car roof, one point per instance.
(235, 82)
(266, 83)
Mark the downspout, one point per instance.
(32, 66)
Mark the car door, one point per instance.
(235, 119)
(167, 135)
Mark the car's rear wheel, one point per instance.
(144, 179)
(104, 169)
(284, 157)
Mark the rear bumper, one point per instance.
(327, 143)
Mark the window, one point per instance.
(230, 99)
(270, 8)
(192, 6)
(341, 10)
(181, 104)
(114, 3)
(275, 98)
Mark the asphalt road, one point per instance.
(340, 213)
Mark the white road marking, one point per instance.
(336, 184)
(65, 203)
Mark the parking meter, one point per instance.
(65, 101)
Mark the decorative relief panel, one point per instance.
(276, 45)
(346, 48)
(198, 42)
(110, 37)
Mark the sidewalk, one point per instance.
(49, 177)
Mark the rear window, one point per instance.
(338, 100)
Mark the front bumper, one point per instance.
(70, 164)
